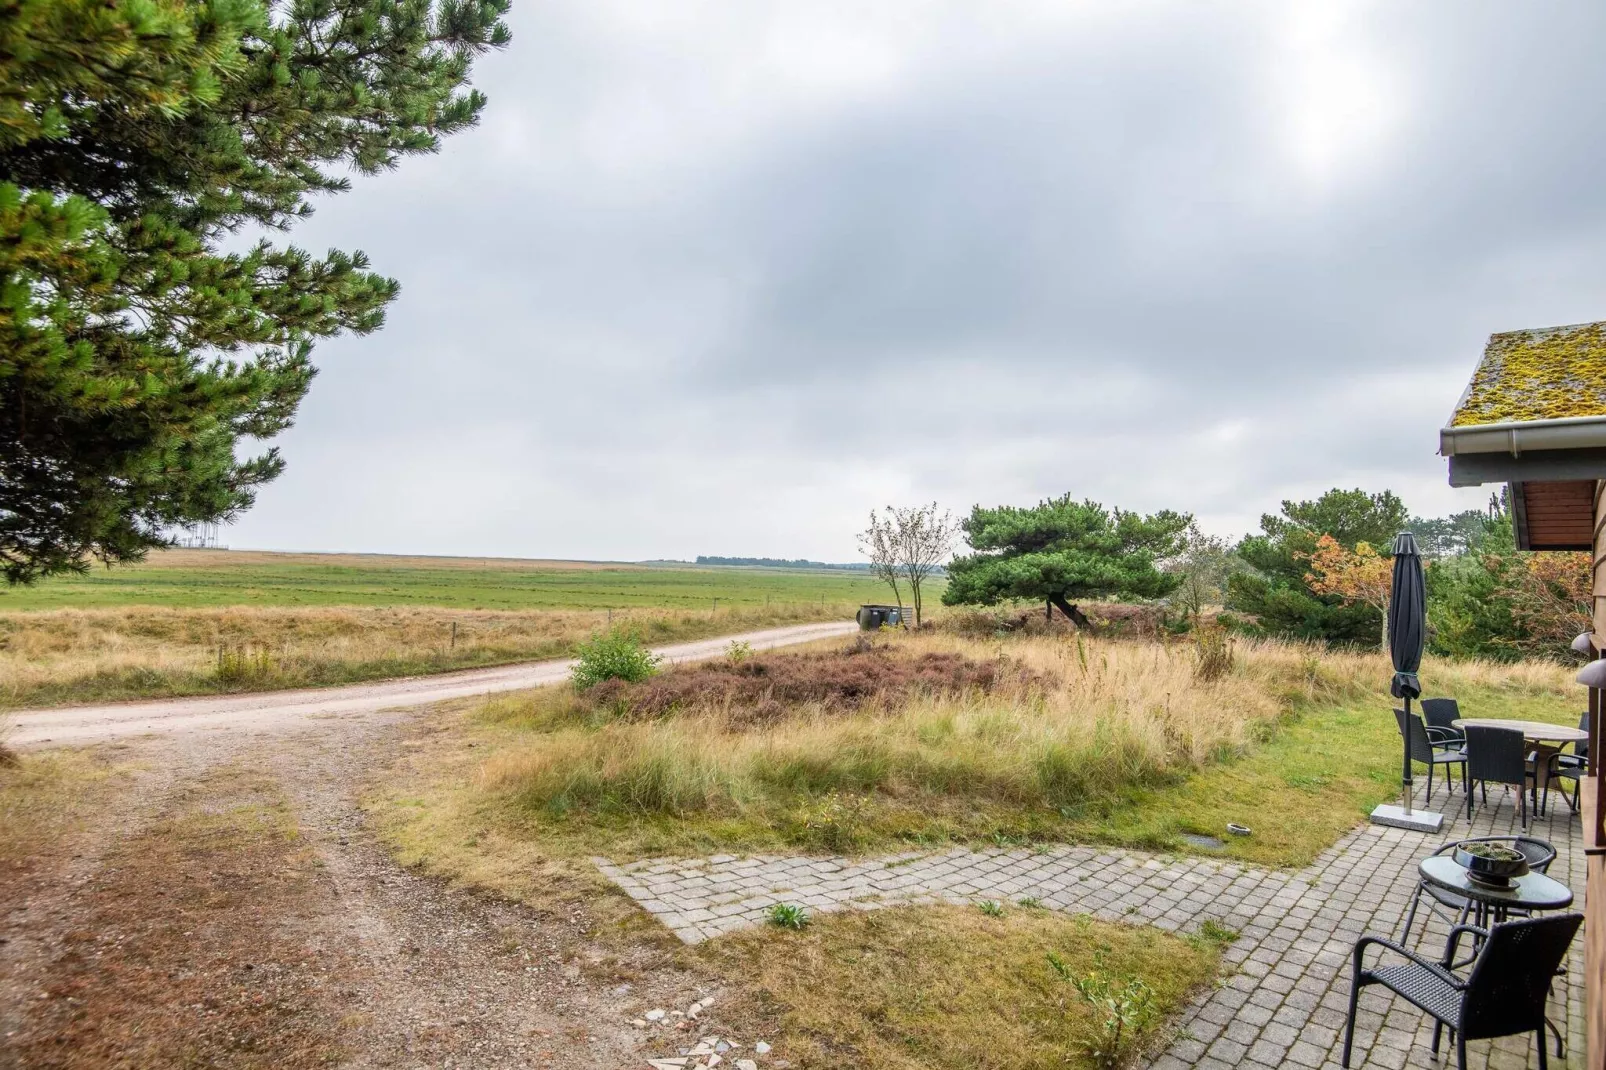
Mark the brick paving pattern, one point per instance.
(1285, 997)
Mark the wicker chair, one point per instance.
(1503, 995)
(1572, 766)
(1497, 756)
(1426, 747)
(1441, 714)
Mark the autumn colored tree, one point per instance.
(1551, 597)
(1273, 595)
(1361, 576)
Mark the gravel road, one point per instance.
(170, 922)
(270, 711)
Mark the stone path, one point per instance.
(1284, 1001)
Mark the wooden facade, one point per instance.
(1554, 515)
(1593, 812)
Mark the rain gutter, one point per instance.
(1520, 436)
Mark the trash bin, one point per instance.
(872, 617)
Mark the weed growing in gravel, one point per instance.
(788, 916)
(1212, 933)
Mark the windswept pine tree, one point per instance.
(135, 138)
(1061, 552)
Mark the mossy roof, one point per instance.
(1543, 374)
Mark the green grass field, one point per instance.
(196, 578)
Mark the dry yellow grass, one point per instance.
(1029, 762)
(69, 655)
(950, 988)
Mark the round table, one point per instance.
(1532, 891)
(1547, 740)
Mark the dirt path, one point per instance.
(277, 710)
(227, 905)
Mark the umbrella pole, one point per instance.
(1405, 775)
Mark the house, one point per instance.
(1534, 418)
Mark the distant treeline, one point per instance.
(777, 562)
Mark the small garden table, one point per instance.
(1547, 740)
(1532, 891)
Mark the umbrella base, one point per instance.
(1394, 816)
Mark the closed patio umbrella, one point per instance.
(1407, 635)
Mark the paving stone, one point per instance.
(1285, 1005)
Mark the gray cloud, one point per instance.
(720, 278)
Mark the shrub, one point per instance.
(242, 663)
(738, 652)
(763, 689)
(613, 655)
(1213, 653)
(836, 822)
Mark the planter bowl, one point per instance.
(1499, 872)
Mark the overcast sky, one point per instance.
(719, 277)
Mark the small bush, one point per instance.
(835, 822)
(738, 652)
(612, 655)
(240, 664)
(1212, 652)
(788, 916)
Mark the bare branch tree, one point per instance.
(879, 542)
(915, 540)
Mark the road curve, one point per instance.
(271, 710)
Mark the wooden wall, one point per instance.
(1594, 816)
(1555, 516)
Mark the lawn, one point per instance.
(191, 578)
(951, 988)
(190, 622)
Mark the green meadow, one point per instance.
(217, 578)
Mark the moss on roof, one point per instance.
(1542, 374)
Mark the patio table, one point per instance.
(1531, 891)
(1547, 740)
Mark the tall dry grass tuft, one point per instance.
(95, 654)
(1088, 719)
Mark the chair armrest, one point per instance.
(1455, 938)
(1435, 968)
(1446, 734)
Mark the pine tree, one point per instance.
(1061, 552)
(135, 138)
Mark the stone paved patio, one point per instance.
(1285, 999)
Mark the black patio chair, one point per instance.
(1504, 993)
(1497, 756)
(1442, 713)
(1424, 749)
(1538, 852)
(1572, 766)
